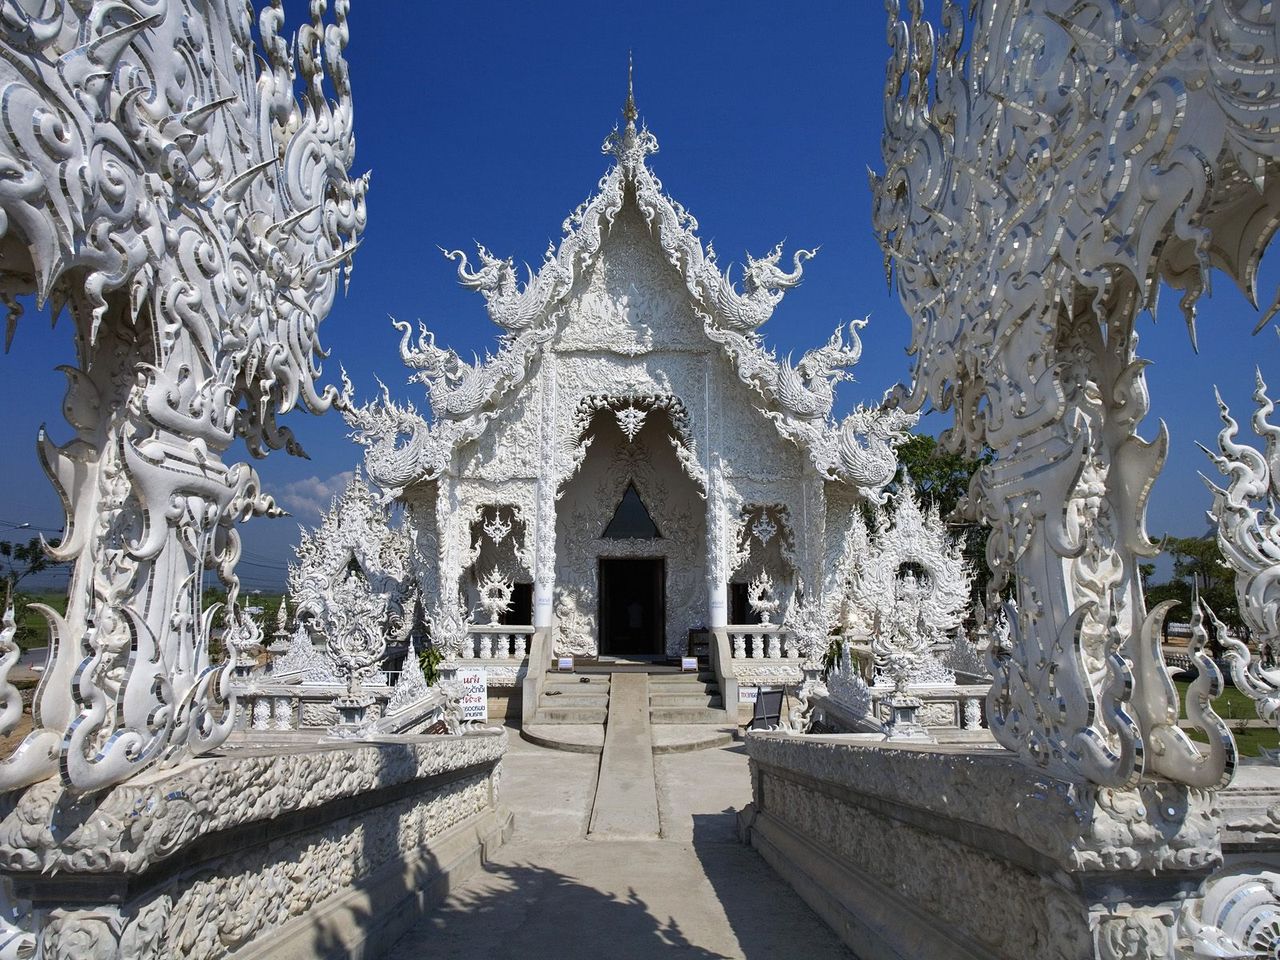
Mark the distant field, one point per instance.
(1234, 706)
(33, 631)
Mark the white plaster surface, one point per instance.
(550, 892)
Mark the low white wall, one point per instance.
(287, 853)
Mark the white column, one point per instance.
(718, 604)
(542, 593)
(717, 549)
(544, 576)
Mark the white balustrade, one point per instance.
(760, 641)
(488, 642)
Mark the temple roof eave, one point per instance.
(464, 396)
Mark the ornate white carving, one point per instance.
(846, 687)
(1239, 915)
(760, 596)
(617, 311)
(412, 685)
(166, 187)
(808, 626)
(10, 654)
(244, 638)
(495, 595)
(908, 583)
(764, 529)
(630, 420)
(356, 530)
(1249, 537)
(1142, 143)
(352, 622)
(304, 660)
(253, 888)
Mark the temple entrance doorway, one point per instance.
(632, 606)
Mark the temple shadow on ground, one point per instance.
(536, 912)
(748, 891)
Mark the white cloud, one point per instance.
(308, 498)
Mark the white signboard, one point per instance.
(475, 694)
(688, 663)
(748, 694)
(565, 664)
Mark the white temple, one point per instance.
(632, 452)
(633, 463)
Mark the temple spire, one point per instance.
(630, 145)
(629, 108)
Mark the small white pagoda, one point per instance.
(632, 456)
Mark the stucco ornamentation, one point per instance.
(183, 192)
(1023, 282)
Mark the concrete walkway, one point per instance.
(626, 804)
(552, 892)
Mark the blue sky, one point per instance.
(484, 124)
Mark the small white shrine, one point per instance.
(632, 456)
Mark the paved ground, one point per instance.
(553, 893)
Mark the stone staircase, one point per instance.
(574, 698)
(685, 698)
(685, 710)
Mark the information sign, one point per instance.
(475, 694)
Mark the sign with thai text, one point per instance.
(565, 664)
(475, 694)
(748, 694)
(689, 663)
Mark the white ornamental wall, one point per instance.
(632, 300)
(588, 503)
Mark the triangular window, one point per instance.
(631, 521)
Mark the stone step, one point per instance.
(559, 693)
(574, 700)
(662, 679)
(696, 690)
(571, 714)
(683, 738)
(571, 737)
(686, 715)
(691, 699)
(576, 683)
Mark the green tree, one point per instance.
(18, 561)
(21, 560)
(1198, 564)
(940, 477)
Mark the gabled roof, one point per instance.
(465, 397)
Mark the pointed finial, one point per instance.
(629, 109)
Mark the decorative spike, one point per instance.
(288, 222)
(198, 119)
(236, 188)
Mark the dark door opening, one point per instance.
(521, 610)
(632, 606)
